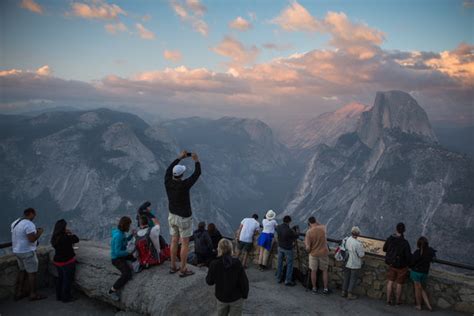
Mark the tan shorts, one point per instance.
(180, 226)
(27, 261)
(320, 263)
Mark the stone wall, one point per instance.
(9, 272)
(446, 290)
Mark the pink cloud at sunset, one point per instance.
(191, 12)
(98, 10)
(240, 24)
(173, 55)
(143, 32)
(32, 6)
(236, 51)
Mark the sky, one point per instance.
(268, 59)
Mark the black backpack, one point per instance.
(393, 257)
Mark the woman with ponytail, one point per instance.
(420, 266)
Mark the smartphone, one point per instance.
(189, 154)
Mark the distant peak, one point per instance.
(394, 110)
(351, 109)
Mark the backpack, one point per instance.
(147, 254)
(342, 254)
(394, 254)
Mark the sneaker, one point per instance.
(290, 283)
(315, 291)
(114, 295)
(344, 294)
(351, 296)
(325, 292)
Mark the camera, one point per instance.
(189, 154)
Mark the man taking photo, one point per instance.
(179, 203)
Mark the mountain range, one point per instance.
(370, 166)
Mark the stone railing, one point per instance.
(9, 272)
(446, 290)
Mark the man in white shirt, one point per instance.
(247, 230)
(25, 237)
(355, 250)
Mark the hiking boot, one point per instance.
(325, 292)
(344, 294)
(351, 296)
(290, 283)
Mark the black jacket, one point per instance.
(63, 246)
(215, 237)
(230, 279)
(397, 252)
(179, 202)
(421, 263)
(202, 242)
(286, 236)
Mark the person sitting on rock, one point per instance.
(355, 250)
(202, 245)
(64, 260)
(247, 230)
(230, 280)
(149, 233)
(25, 237)
(397, 257)
(286, 240)
(215, 235)
(145, 210)
(265, 240)
(420, 266)
(317, 246)
(120, 255)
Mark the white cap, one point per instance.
(178, 170)
(270, 215)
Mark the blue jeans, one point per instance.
(64, 282)
(288, 254)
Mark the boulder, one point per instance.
(152, 291)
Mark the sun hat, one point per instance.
(178, 170)
(270, 215)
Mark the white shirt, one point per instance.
(249, 226)
(356, 252)
(269, 226)
(20, 242)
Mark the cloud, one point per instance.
(144, 32)
(173, 55)
(32, 6)
(296, 18)
(240, 24)
(236, 51)
(196, 6)
(275, 46)
(44, 71)
(191, 12)
(146, 18)
(98, 10)
(115, 28)
(468, 4)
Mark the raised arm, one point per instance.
(197, 172)
(169, 171)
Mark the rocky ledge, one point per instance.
(152, 291)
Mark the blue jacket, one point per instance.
(118, 244)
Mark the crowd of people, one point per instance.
(136, 249)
